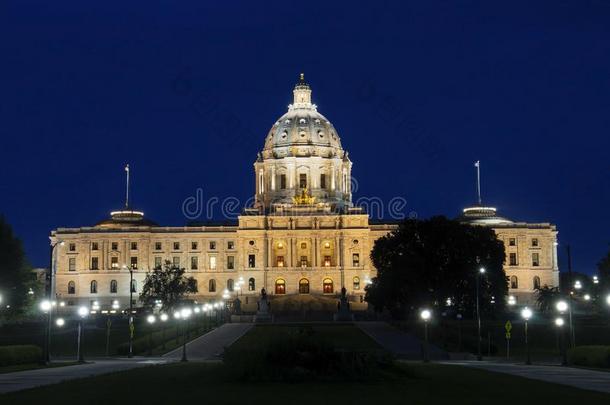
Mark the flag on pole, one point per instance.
(127, 168)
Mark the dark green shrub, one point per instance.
(302, 356)
(24, 354)
(590, 356)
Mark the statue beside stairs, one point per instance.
(343, 314)
(263, 307)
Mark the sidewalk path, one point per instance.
(211, 345)
(402, 344)
(21, 380)
(575, 377)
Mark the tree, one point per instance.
(546, 297)
(167, 285)
(425, 262)
(15, 272)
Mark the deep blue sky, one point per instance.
(418, 90)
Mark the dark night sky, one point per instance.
(186, 92)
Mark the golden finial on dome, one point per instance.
(302, 77)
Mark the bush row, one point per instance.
(590, 356)
(19, 354)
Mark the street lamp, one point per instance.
(587, 297)
(45, 307)
(578, 285)
(595, 280)
(131, 325)
(151, 319)
(559, 322)
(512, 301)
(50, 297)
(425, 316)
(185, 313)
(479, 356)
(60, 322)
(562, 306)
(608, 299)
(82, 314)
(526, 314)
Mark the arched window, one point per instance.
(327, 286)
(71, 287)
(113, 286)
(514, 282)
(303, 286)
(280, 286)
(212, 285)
(230, 284)
(356, 283)
(536, 282)
(134, 286)
(251, 284)
(93, 288)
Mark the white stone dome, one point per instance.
(302, 131)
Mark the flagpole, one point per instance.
(477, 164)
(127, 188)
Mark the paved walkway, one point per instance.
(22, 380)
(211, 345)
(402, 344)
(575, 377)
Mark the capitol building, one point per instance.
(302, 238)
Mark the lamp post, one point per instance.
(50, 297)
(130, 318)
(45, 307)
(479, 342)
(185, 313)
(563, 306)
(425, 316)
(163, 318)
(559, 322)
(151, 321)
(82, 314)
(526, 314)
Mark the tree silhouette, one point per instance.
(167, 285)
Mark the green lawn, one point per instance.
(34, 366)
(206, 383)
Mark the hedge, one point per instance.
(141, 344)
(590, 356)
(19, 354)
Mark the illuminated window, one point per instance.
(303, 286)
(327, 261)
(212, 262)
(327, 286)
(303, 261)
(134, 263)
(280, 261)
(280, 286)
(114, 262)
(356, 283)
(356, 259)
(536, 283)
(535, 259)
(230, 245)
(512, 259)
(251, 284)
(302, 180)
